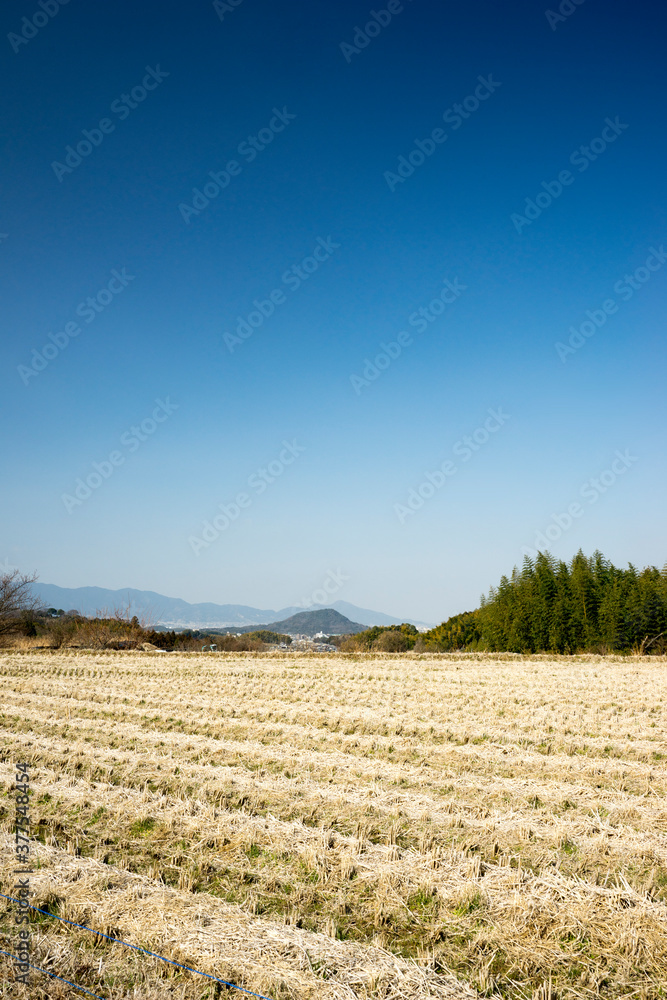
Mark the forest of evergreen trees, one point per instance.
(550, 606)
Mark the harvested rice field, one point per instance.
(338, 827)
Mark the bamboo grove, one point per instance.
(588, 605)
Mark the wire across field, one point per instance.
(318, 826)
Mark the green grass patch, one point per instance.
(143, 826)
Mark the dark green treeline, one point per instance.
(588, 605)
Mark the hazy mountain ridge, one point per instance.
(328, 620)
(177, 613)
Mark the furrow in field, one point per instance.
(353, 752)
(215, 937)
(629, 825)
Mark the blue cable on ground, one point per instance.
(138, 948)
(53, 975)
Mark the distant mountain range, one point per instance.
(174, 613)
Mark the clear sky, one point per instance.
(213, 218)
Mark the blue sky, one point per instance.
(171, 93)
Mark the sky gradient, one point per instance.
(288, 264)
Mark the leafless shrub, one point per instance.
(17, 600)
(391, 642)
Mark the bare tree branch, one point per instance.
(17, 599)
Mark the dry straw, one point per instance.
(468, 826)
